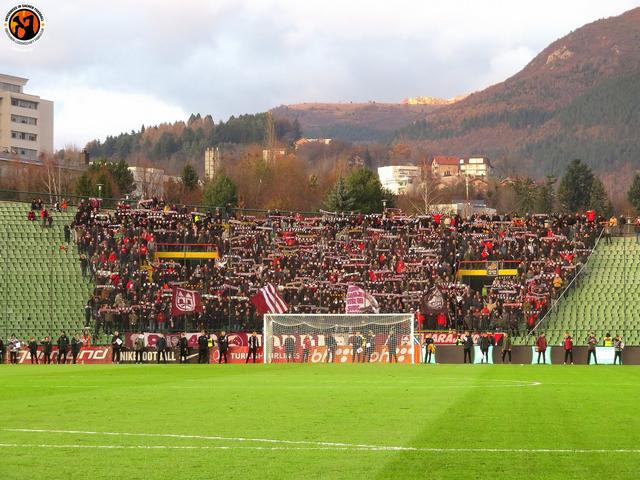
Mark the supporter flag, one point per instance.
(359, 301)
(433, 302)
(185, 301)
(268, 300)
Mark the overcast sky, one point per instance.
(112, 66)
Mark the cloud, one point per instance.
(125, 63)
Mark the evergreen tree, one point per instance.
(525, 189)
(599, 200)
(575, 187)
(220, 192)
(634, 192)
(364, 187)
(546, 196)
(189, 177)
(339, 199)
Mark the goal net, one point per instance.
(318, 338)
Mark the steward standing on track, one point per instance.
(223, 346)
(592, 341)
(253, 347)
(392, 345)
(46, 350)
(63, 347)
(116, 347)
(618, 346)
(484, 348)
(203, 348)
(183, 345)
(76, 344)
(331, 348)
(467, 347)
(33, 350)
(506, 347)
(541, 347)
(568, 348)
(138, 348)
(161, 346)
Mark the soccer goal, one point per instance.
(344, 338)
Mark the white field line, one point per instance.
(346, 449)
(306, 445)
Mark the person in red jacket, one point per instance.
(568, 348)
(541, 347)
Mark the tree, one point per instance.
(122, 176)
(634, 192)
(525, 189)
(339, 199)
(546, 196)
(575, 187)
(221, 191)
(599, 199)
(189, 177)
(364, 187)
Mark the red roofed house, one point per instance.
(443, 166)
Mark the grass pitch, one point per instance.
(319, 421)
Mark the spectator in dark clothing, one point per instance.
(253, 347)
(33, 350)
(2, 349)
(63, 347)
(67, 234)
(223, 346)
(203, 348)
(76, 345)
(592, 341)
(484, 348)
(467, 346)
(161, 346)
(46, 350)
(183, 345)
(138, 348)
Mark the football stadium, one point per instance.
(331, 240)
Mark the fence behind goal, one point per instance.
(319, 338)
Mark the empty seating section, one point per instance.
(607, 299)
(42, 290)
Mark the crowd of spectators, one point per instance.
(312, 260)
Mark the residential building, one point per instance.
(476, 167)
(26, 121)
(443, 166)
(399, 179)
(305, 141)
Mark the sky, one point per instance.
(116, 65)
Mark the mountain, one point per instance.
(355, 121)
(578, 98)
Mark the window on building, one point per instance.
(17, 102)
(9, 87)
(31, 137)
(24, 120)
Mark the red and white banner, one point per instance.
(359, 301)
(268, 300)
(185, 301)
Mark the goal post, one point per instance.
(339, 338)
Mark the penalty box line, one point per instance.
(306, 445)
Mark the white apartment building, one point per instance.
(476, 167)
(399, 179)
(26, 121)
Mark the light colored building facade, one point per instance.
(211, 162)
(26, 121)
(399, 179)
(476, 167)
(149, 182)
(442, 166)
